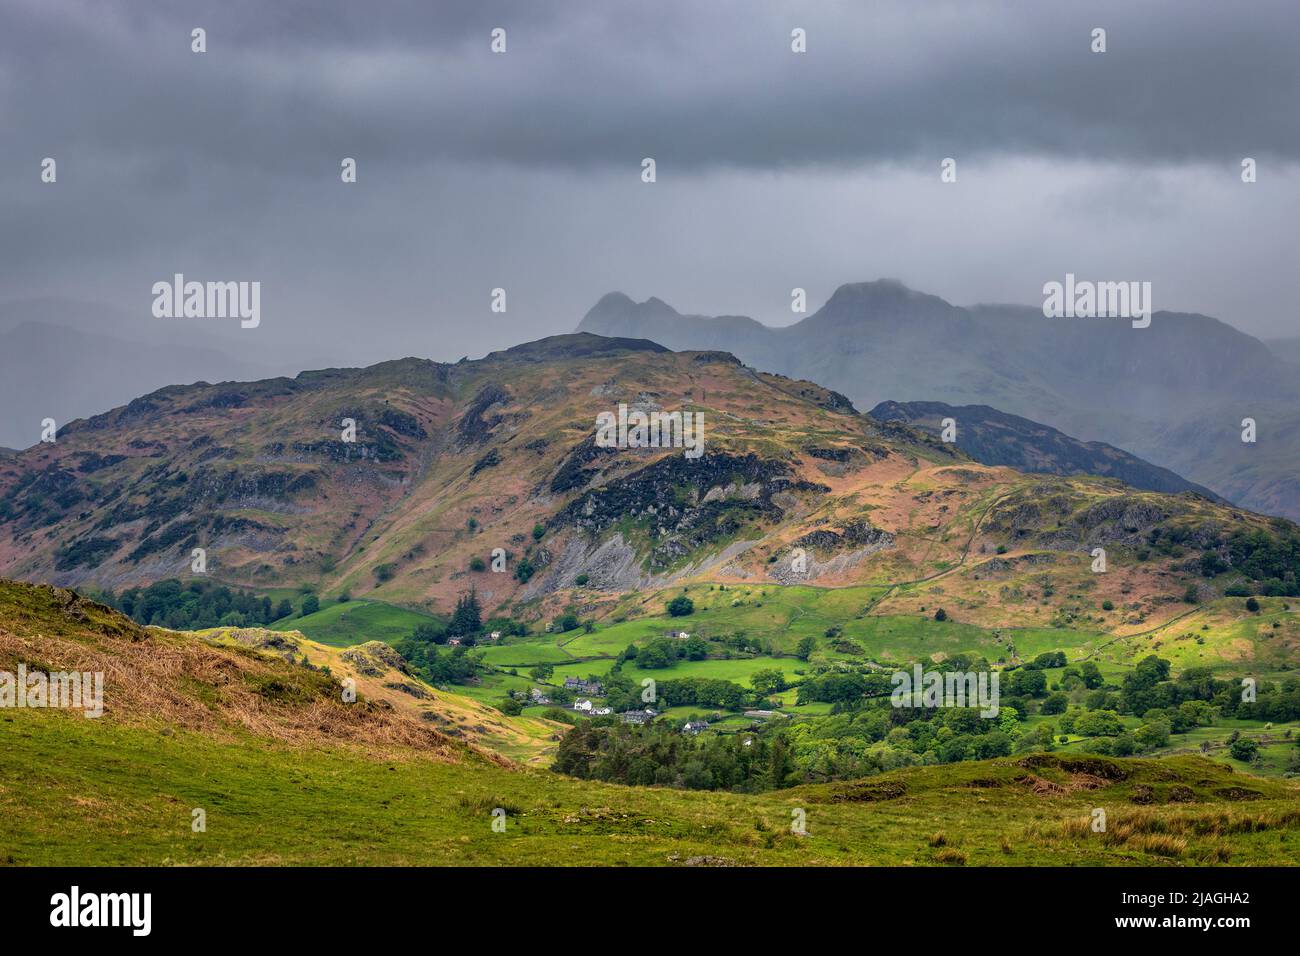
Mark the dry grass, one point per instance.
(1165, 834)
(153, 676)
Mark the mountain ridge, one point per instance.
(1175, 393)
(451, 465)
(993, 437)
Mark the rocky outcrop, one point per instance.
(681, 505)
(374, 659)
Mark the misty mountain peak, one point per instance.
(857, 300)
(613, 302)
(614, 306)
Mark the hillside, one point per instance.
(229, 683)
(452, 462)
(1174, 393)
(992, 437)
(79, 358)
(287, 774)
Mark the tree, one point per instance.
(1091, 675)
(768, 681)
(429, 634)
(511, 707)
(1055, 704)
(1026, 682)
(941, 615)
(1244, 748)
(1153, 735)
(542, 672)
(310, 605)
(697, 649)
(538, 531)
(467, 619)
(657, 654)
(476, 563)
(805, 648)
(1099, 723)
(1252, 605)
(696, 776)
(283, 609)
(681, 606)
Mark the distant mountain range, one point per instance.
(996, 438)
(1175, 393)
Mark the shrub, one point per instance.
(1244, 748)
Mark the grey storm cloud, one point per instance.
(694, 83)
(522, 170)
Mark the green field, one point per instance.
(737, 670)
(355, 622)
(523, 655)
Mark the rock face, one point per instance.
(681, 506)
(827, 552)
(374, 659)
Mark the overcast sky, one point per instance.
(522, 170)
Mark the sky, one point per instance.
(522, 170)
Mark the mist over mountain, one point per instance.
(65, 359)
(1175, 393)
(1288, 349)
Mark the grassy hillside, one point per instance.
(228, 682)
(247, 725)
(345, 623)
(113, 795)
